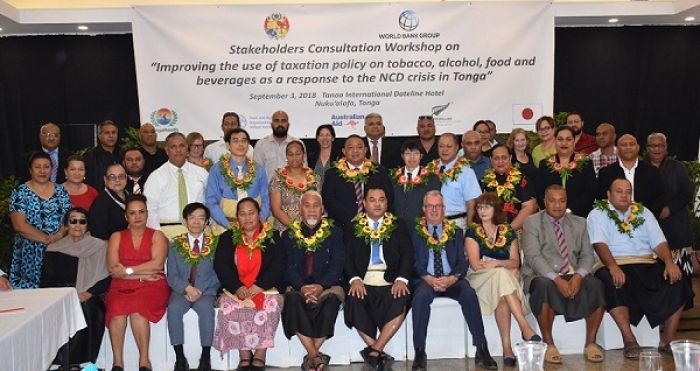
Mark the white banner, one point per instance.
(333, 64)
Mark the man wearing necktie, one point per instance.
(441, 269)
(194, 283)
(377, 271)
(50, 139)
(172, 186)
(343, 198)
(134, 164)
(557, 272)
(408, 196)
(380, 149)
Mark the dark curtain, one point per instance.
(641, 79)
(73, 81)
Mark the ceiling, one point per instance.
(38, 17)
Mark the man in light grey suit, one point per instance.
(557, 272)
(194, 283)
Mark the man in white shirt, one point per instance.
(271, 151)
(172, 186)
(4, 282)
(215, 150)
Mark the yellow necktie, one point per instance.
(181, 189)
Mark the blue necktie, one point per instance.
(376, 259)
(54, 164)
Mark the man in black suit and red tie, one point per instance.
(345, 183)
(378, 264)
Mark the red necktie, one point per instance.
(309, 264)
(375, 152)
(562, 247)
(193, 270)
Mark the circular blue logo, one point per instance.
(408, 20)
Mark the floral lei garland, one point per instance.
(298, 188)
(632, 221)
(448, 231)
(448, 175)
(181, 244)
(231, 179)
(260, 241)
(506, 191)
(398, 177)
(313, 242)
(503, 234)
(579, 161)
(354, 175)
(364, 230)
(207, 163)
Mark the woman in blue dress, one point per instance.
(36, 209)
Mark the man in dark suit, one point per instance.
(104, 154)
(411, 182)
(378, 264)
(345, 183)
(647, 187)
(134, 164)
(441, 268)
(428, 140)
(380, 149)
(50, 139)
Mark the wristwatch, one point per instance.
(129, 271)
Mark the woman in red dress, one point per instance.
(139, 292)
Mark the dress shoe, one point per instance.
(534, 337)
(144, 368)
(483, 357)
(509, 362)
(420, 361)
(181, 365)
(204, 364)
(117, 368)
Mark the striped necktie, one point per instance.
(562, 247)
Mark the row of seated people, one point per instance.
(388, 268)
(450, 173)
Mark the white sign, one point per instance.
(333, 64)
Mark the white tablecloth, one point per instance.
(30, 338)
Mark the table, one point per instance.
(30, 338)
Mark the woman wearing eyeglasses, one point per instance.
(36, 209)
(107, 212)
(79, 260)
(494, 270)
(545, 127)
(139, 292)
(195, 143)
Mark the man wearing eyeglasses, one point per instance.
(428, 140)
(153, 156)
(441, 268)
(50, 139)
(215, 150)
(380, 149)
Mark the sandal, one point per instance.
(552, 354)
(260, 366)
(245, 363)
(318, 363)
(631, 350)
(594, 353)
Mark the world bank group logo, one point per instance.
(408, 20)
(276, 26)
(164, 117)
